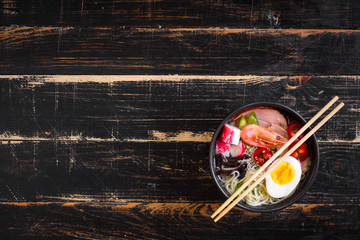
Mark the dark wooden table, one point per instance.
(107, 109)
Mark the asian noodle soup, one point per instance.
(247, 142)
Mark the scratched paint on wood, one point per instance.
(160, 220)
(171, 13)
(188, 51)
(142, 171)
(160, 108)
(126, 157)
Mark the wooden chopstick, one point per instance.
(275, 156)
(283, 148)
(286, 155)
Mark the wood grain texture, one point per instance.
(171, 13)
(114, 144)
(117, 172)
(207, 51)
(172, 220)
(95, 157)
(161, 108)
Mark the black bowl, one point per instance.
(304, 184)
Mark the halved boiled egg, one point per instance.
(284, 178)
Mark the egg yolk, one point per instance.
(283, 174)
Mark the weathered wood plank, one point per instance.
(115, 172)
(173, 220)
(109, 157)
(161, 108)
(210, 51)
(225, 13)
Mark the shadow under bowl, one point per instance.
(304, 184)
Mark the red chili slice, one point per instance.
(261, 155)
(301, 153)
(293, 129)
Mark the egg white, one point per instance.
(278, 191)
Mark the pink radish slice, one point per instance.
(237, 150)
(230, 134)
(223, 148)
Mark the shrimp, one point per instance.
(269, 118)
(258, 136)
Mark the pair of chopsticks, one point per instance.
(225, 207)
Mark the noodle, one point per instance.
(256, 197)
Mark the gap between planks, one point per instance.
(41, 79)
(125, 203)
(154, 136)
(304, 32)
(198, 208)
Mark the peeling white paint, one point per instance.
(42, 79)
(354, 109)
(154, 136)
(181, 136)
(13, 138)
